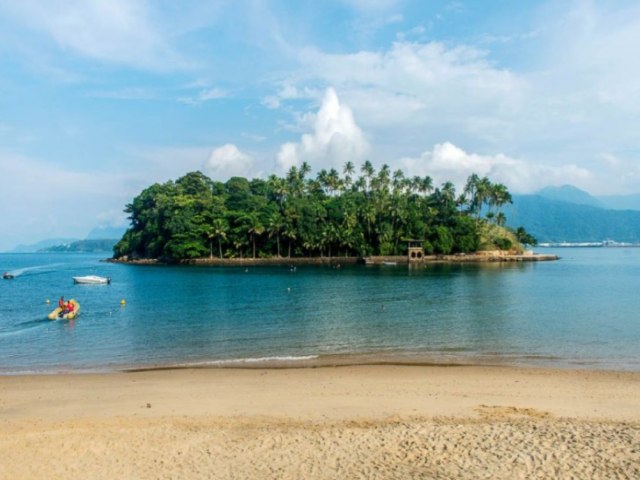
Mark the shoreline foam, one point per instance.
(400, 359)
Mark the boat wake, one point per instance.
(50, 267)
(23, 327)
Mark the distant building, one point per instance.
(415, 251)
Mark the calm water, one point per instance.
(581, 311)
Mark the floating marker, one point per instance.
(122, 302)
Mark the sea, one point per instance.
(581, 311)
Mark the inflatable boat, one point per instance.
(57, 314)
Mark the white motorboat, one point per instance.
(92, 280)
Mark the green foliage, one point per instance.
(328, 215)
(442, 240)
(465, 234)
(503, 243)
(524, 237)
(495, 237)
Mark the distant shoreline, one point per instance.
(480, 257)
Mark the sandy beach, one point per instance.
(376, 421)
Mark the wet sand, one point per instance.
(372, 421)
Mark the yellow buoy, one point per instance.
(122, 302)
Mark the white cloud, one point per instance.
(118, 31)
(229, 161)
(447, 162)
(336, 138)
(205, 95)
(288, 92)
(428, 88)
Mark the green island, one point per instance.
(332, 215)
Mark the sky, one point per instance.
(101, 98)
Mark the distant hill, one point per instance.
(570, 194)
(42, 244)
(84, 246)
(104, 236)
(552, 220)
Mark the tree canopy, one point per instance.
(298, 215)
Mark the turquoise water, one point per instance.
(581, 311)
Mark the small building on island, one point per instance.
(415, 252)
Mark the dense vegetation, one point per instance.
(329, 215)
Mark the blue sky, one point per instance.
(99, 99)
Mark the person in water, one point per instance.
(62, 305)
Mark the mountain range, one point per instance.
(568, 214)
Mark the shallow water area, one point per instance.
(578, 312)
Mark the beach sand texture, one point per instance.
(333, 422)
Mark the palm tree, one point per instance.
(255, 229)
(499, 195)
(333, 181)
(278, 189)
(305, 169)
(427, 185)
(368, 171)
(398, 181)
(348, 172)
(449, 191)
(470, 193)
(275, 226)
(289, 229)
(323, 179)
(219, 230)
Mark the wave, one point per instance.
(271, 361)
(241, 361)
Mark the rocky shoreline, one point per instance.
(478, 257)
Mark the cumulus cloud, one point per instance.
(336, 138)
(229, 161)
(447, 162)
(422, 90)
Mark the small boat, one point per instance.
(8, 276)
(92, 280)
(57, 314)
